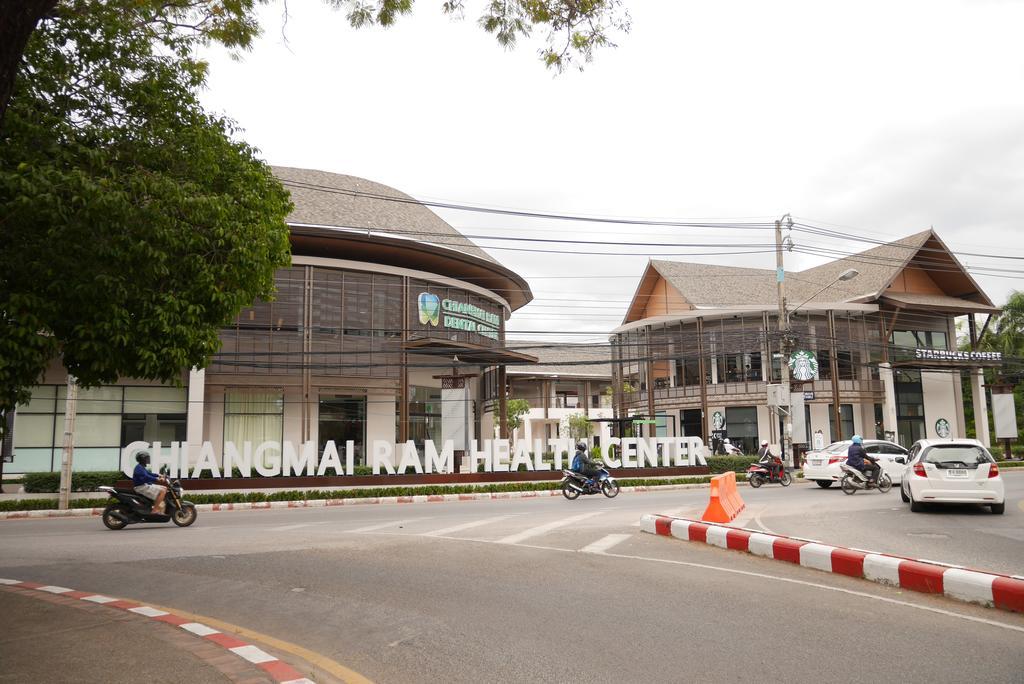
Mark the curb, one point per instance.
(953, 581)
(275, 668)
(360, 501)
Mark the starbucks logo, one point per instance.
(717, 420)
(803, 366)
(942, 428)
(430, 308)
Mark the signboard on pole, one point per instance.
(1004, 412)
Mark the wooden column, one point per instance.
(703, 381)
(834, 368)
(502, 403)
(403, 372)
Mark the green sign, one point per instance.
(942, 428)
(717, 420)
(456, 315)
(803, 366)
(645, 421)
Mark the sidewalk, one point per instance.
(55, 638)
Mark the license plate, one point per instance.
(956, 474)
(816, 461)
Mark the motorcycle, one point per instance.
(854, 479)
(130, 508)
(575, 484)
(757, 475)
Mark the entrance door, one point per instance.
(342, 418)
(690, 420)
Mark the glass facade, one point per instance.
(106, 419)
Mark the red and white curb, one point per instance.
(278, 670)
(956, 582)
(361, 501)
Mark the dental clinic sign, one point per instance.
(272, 459)
(455, 315)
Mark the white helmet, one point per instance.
(764, 442)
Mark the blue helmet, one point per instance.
(857, 439)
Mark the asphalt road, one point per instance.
(550, 590)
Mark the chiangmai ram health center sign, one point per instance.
(271, 459)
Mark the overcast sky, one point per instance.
(881, 117)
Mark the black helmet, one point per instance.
(142, 457)
(581, 446)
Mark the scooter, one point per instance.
(854, 480)
(130, 508)
(757, 475)
(574, 484)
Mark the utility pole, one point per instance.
(784, 336)
(67, 453)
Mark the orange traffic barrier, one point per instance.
(725, 503)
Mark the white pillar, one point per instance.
(196, 408)
(980, 406)
(889, 405)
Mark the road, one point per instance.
(550, 590)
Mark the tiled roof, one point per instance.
(938, 301)
(324, 199)
(563, 359)
(710, 286)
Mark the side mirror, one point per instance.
(901, 459)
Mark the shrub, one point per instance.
(723, 464)
(38, 483)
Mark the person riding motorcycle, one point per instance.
(147, 484)
(583, 464)
(857, 457)
(765, 459)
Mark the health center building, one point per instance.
(388, 325)
(874, 355)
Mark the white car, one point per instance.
(952, 471)
(823, 467)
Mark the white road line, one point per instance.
(55, 590)
(99, 598)
(148, 611)
(285, 528)
(671, 512)
(198, 628)
(381, 526)
(465, 526)
(253, 654)
(605, 543)
(543, 529)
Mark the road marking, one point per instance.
(465, 526)
(147, 611)
(285, 528)
(323, 662)
(197, 628)
(253, 654)
(99, 598)
(55, 590)
(605, 543)
(757, 519)
(381, 526)
(547, 527)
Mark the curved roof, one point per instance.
(353, 218)
(322, 198)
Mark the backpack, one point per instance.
(577, 462)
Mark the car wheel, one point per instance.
(915, 506)
(824, 484)
(998, 508)
(903, 495)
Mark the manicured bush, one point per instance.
(39, 483)
(723, 464)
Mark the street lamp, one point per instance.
(848, 274)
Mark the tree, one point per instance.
(575, 27)
(577, 426)
(515, 409)
(132, 225)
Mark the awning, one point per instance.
(933, 302)
(467, 352)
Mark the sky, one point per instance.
(881, 118)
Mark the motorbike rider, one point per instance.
(583, 464)
(857, 457)
(765, 459)
(147, 484)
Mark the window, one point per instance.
(846, 420)
(909, 406)
(741, 427)
(424, 415)
(342, 418)
(254, 416)
(956, 456)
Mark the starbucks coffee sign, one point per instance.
(942, 428)
(803, 366)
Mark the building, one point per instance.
(382, 329)
(700, 345)
(567, 379)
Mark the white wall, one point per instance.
(940, 402)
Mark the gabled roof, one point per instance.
(705, 286)
(563, 359)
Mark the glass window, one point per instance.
(92, 400)
(342, 418)
(255, 416)
(425, 415)
(42, 400)
(33, 430)
(741, 427)
(155, 400)
(954, 455)
(846, 418)
(96, 430)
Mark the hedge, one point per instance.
(723, 464)
(38, 483)
(370, 492)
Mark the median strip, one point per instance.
(925, 576)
